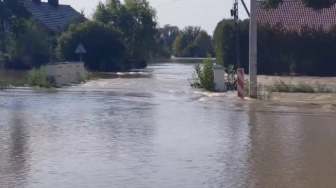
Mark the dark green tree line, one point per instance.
(192, 42)
(305, 52)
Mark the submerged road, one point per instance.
(157, 132)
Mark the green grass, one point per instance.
(38, 77)
(283, 87)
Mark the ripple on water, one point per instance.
(157, 132)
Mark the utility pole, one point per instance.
(253, 50)
(234, 14)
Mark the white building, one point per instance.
(66, 72)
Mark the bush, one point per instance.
(27, 49)
(205, 75)
(231, 79)
(38, 77)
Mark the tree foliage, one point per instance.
(168, 34)
(280, 51)
(192, 42)
(9, 8)
(224, 42)
(103, 43)
(27, 49)
(136, 19)
(203, 44)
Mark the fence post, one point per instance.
(240, 83)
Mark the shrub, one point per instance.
(231, 78)
(38, 77)
(205, 75)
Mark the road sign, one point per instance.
(80, 49)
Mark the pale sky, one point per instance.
(204, 13)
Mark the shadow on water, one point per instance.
(16, 150)
(292, 151)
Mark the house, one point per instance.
(293, 15)
(54, 17)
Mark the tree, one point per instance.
(168, 34)
(29, 49)
(136, 19)
(203, 43)
(224, 43)
(8, 10)
(191, 32)
(177, 45)
(103, 43)
(315, 4)
(184, 44)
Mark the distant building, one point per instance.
(53, 16)
(292, 15)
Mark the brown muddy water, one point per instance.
(157, 132)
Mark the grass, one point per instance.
(265, 92)
(39, 77)
(35, 77)
(283, 87)
(89, 76)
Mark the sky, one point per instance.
(181, 13)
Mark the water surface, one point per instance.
(158, 132)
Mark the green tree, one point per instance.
(103, 43)
(224, 43)
(179, 45)
(168, 34)
(203, 44)
(8, 10)
(136, 19)
(184, 45)
(29, 49)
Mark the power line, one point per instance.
(170, 2)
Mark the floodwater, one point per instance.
(157, 132)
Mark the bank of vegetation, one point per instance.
(121, 33)
(119, 36)
(308, 51)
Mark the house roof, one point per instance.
(293, 15)
(55, 19)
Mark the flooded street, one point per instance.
(157, 132)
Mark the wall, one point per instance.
(66, 73)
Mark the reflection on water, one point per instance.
(157, 132)
(13, 152)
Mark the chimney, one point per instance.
(37, 1)
(54, 3)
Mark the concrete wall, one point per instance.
(66, 73)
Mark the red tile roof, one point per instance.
(293, 15)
